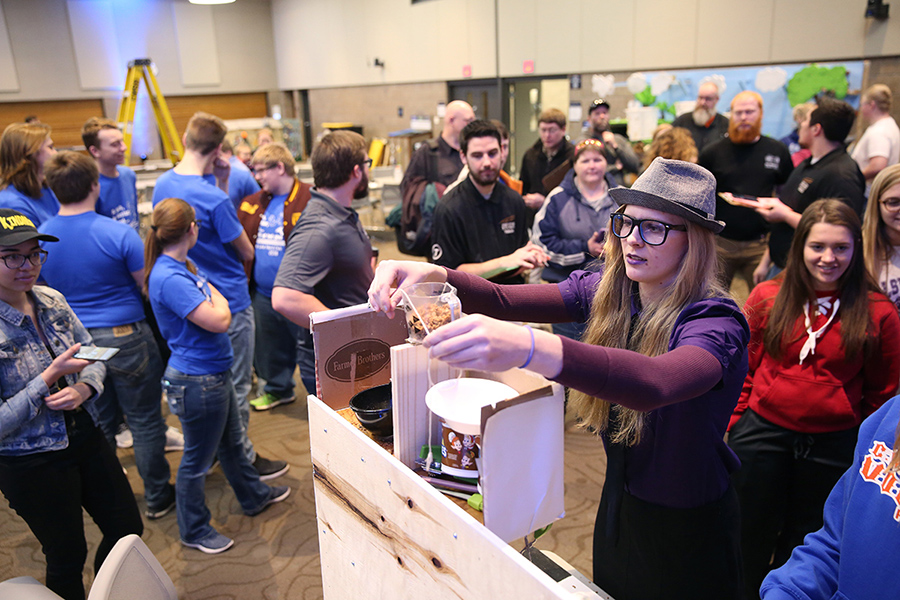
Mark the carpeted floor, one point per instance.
(275, 555)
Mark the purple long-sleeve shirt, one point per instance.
(690, 391)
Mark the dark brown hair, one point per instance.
(785, 320)
(71, 176)
(335, 157)
(170, 221)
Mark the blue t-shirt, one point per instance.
(241, 182)
(269, 246)
(92, 265)
(36, 209)
(219, 226)
(118, 197)
(174, 294)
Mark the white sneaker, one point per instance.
(123, 437)
(174, 440)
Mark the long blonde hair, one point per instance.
(611, 320)
(877, 247)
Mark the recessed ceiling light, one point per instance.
(211, 1)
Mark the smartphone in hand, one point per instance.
(96, 353)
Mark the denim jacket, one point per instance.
(27, 426)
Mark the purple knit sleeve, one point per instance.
(709, 339)
(637, 381)
(535, 303)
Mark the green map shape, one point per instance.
(809, 81)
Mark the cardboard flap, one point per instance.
(521, 467)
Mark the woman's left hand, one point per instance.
(68, 398)
(486, 344)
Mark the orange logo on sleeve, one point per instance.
(874, 469)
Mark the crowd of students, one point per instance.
(98, 280)
(728, 430)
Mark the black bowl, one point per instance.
(373, 409)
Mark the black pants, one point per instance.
(670, 553)
(784, 480)
(49, 489)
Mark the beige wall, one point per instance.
(375, 107)
(325, 43)
(328, 43)
(41, 38)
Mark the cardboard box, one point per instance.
(353, 351)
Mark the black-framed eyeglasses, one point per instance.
(15, 261)
(891, 204)
(257, 170)
(368, 162)
(653, 232)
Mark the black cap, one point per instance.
(16, 228)
(597, 104)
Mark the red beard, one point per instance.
(744, 135)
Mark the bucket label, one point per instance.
(458, 453)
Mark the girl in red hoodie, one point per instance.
(824, 354)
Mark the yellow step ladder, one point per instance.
(143, 68)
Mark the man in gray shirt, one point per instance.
(327, 263)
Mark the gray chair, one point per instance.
(25, 588)
(131, 571)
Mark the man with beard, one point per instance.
(479, 226)
(620, 156)
(744, 164)
(828, 173)
(327, 262)
(879, 146)
(704, 123)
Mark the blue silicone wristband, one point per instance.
(530, 352)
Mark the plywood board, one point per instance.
(385, 533)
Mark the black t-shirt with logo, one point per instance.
(469, 228)
(746, 170)
(835, 175)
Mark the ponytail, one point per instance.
(170, 221)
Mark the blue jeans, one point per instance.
(206, 406)
(276, 347)
(132, 385)
(241, 334)
(306, 360)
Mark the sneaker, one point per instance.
(277, 495)
(164, 509)
(270, 469)
(269, 401)
(123, 437)
(214, 543)
(174, 440)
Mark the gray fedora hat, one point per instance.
(675, 187)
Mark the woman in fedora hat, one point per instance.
(657, 376)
